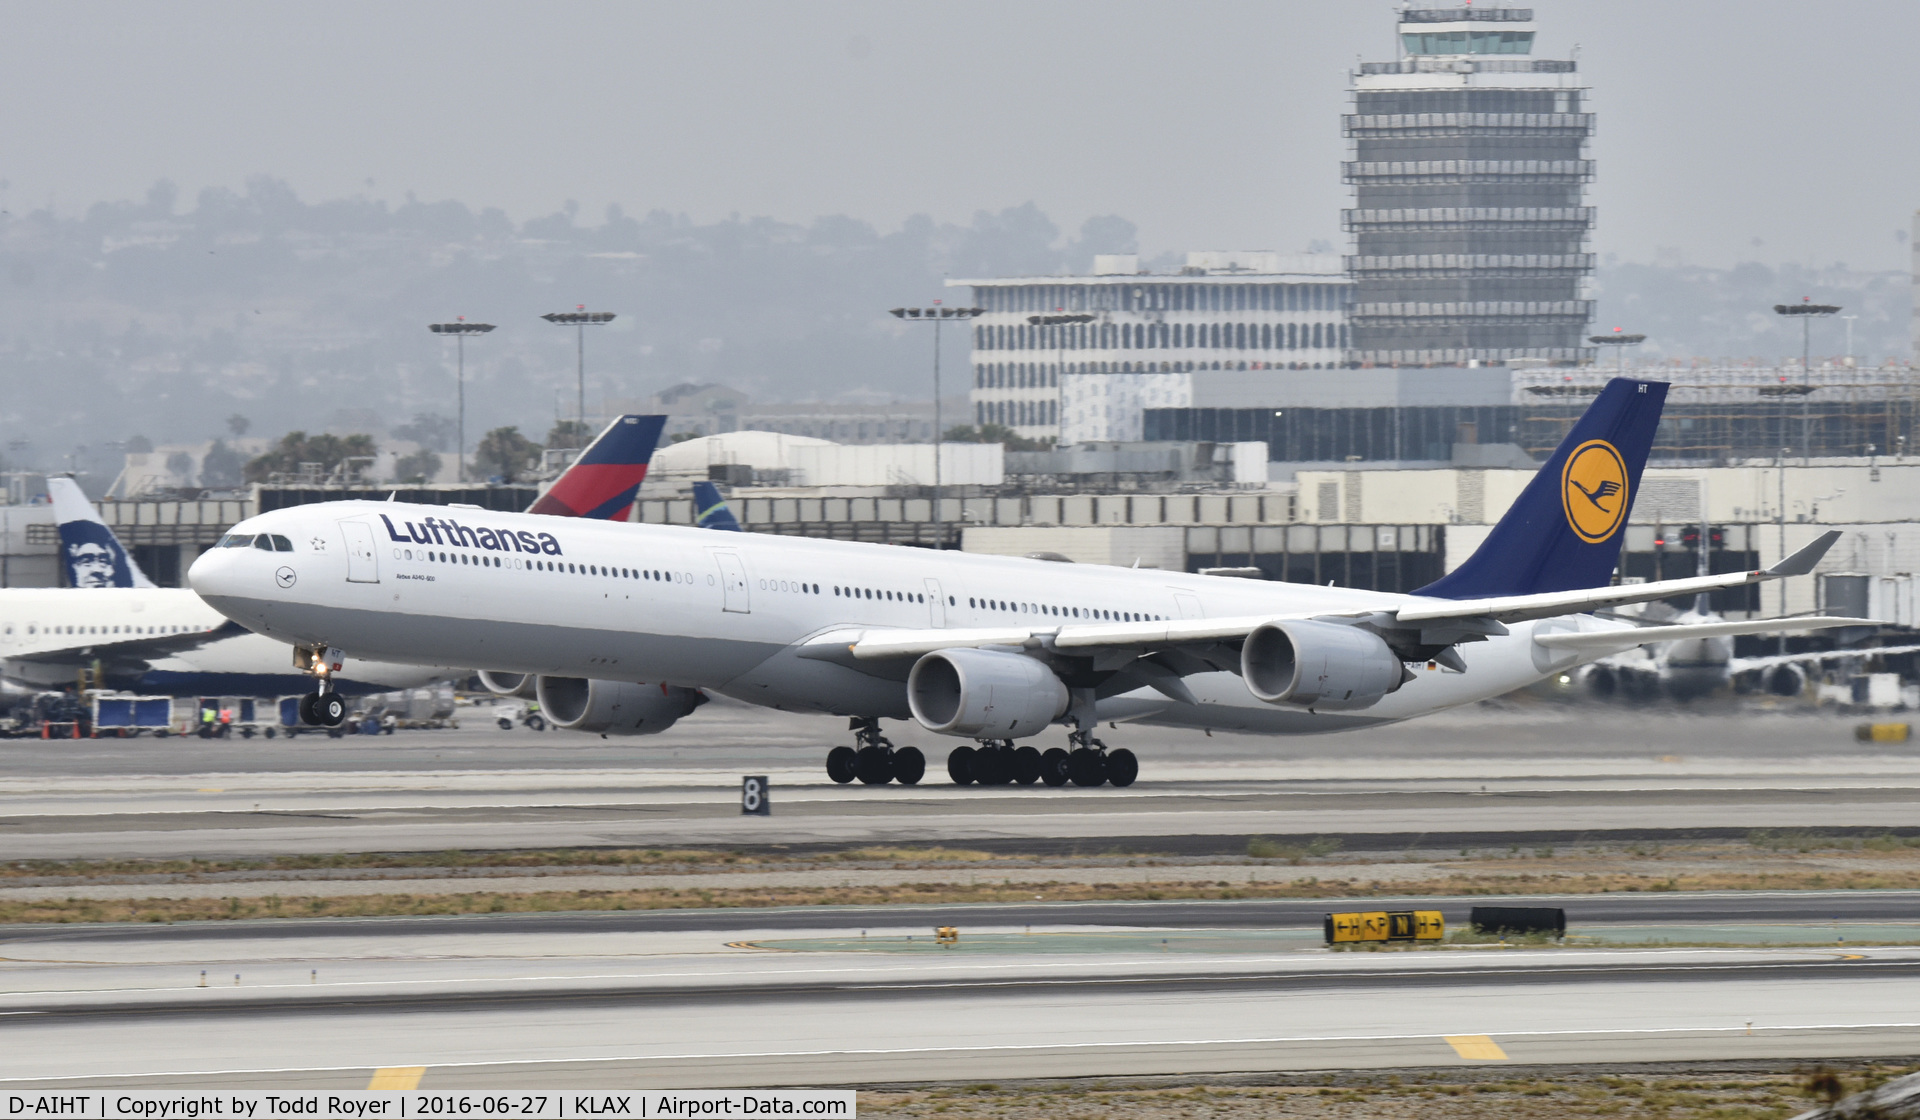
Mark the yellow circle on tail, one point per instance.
(1593, 490)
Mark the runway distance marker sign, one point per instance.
(388, 1104)
(756, 798)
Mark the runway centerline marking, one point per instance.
(1476, 1048)
(397, 1077)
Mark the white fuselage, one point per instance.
(48, 634)
(517, 593)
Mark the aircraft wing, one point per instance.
(1748, 664)
(1643, 635)
(1521, 608)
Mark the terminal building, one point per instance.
(1469, 170)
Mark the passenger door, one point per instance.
(733, 582)
(1188, 604)
(363, 563)
(938, 602)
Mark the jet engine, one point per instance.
(508, 684)
(1785, 680)
(614, 707)
(984, 694)
(1321, 665)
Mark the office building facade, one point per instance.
(1138, 340)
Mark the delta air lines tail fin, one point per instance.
(602, 482)
(710, 509)
(89, 552)
(1565, 530)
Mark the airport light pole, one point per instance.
(460, 329)
(1619, 342)
(1806, 311)
(580, 319)
(1059, 320)
(937, 315)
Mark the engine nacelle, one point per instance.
(1786, 680)
(508, 684)
(1319, 665)
(614, 707)
(984, 694)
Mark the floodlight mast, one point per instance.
(580, 319)
(1806, 311)
(460, 329)
(937, 314)
(1060, 317)
(1619, 341)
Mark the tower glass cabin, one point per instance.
(1469, 175)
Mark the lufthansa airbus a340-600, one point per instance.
(630, 625)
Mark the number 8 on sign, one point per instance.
(754, 798)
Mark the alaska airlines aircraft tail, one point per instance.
(93, 556)
(602, 482)
(710, 509)
(1564, 531)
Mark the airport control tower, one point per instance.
(1469, 176)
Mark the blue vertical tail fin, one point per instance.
(1565, 530)
(710, 509)
(90, 554)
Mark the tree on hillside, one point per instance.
(568, 433)
(417, 468)
(995, 433)
(221, 467)
(506, 454)
(299, 455)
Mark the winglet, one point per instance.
(1803, 561)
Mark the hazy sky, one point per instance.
(1758, 130)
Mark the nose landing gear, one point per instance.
(323, 707)
(876, 761)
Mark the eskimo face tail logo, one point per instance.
(1593, 490)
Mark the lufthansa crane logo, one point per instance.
(1593, 490)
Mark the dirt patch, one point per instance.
(1740, 1093)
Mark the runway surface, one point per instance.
(688, 1000)
(1487, 774)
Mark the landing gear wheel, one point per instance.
(306, 709)
(992, 766)
(1085, 767)
(1026, 766)
(1053, 767)
(960, 765)
(1122, 768)
(269, 733)
(909, 766)
(842, 765)
(330, 709)
(873, 765)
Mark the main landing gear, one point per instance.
(323, 707)
(876, 761)
(999, 763)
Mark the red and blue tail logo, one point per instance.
(1565, 530)
(602, 482)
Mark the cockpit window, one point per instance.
(235, 540)
(263, 542)
(281, 544)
